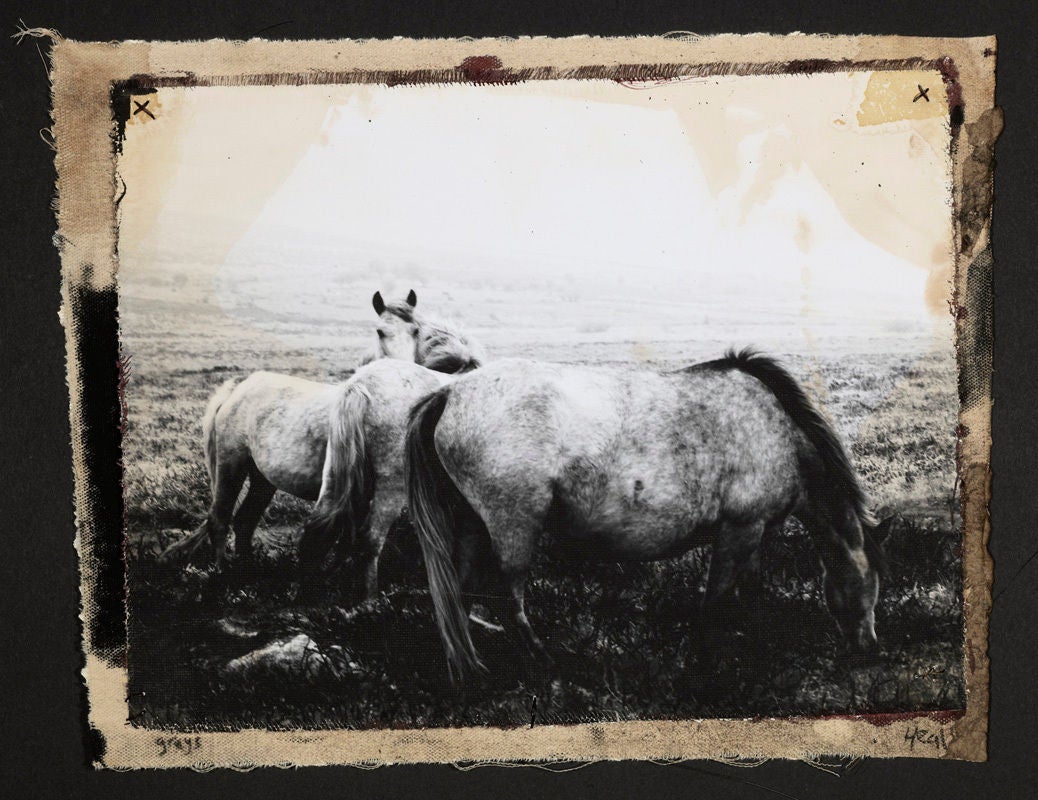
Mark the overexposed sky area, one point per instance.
(825, 194)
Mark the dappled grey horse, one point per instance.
(627, 464)
(272, 429)
(362, 487)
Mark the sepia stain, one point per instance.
(938, 288)
(235, 189)
(905, 221)
(485, 69)
(640, 351)
(803, 237)
(941, 255)
(917, 147)
(893, 96)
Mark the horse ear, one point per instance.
(412, 298)
(378, 303)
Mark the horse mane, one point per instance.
(402, 309)
(809, 419)
(445, 347)
(442, 346)
(874, 552)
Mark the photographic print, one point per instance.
(530, 399)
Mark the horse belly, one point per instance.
(291, 457)
(639, 524)
(299, 476)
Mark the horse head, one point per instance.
(398, 329)
(853, 605)
(852, 588)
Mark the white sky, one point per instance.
(766, 187)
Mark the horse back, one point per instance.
(280, 424)
(393, 387)
(659, 461)
(636, 460)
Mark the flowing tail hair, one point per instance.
(434, 504)
(186, 547)
(209, 426)
(839, 473)
(347, 482)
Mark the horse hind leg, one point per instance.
(735, 553)
(250, 512)
(474, 565)
(185, 548)
(513, 531)
(227, 482)
(371, 538)
(510, 610)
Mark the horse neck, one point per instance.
(447, 344)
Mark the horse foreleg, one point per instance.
(735, 552)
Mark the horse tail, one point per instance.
(347, 482)
(186, 547)
(209, 426)
(434, 503)
(837, 467)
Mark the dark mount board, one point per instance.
(44, 741)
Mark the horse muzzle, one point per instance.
(863, 642)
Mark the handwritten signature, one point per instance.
(926, 736)
(181, 744)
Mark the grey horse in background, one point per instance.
(362, 488)
(271, 430)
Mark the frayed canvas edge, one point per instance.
(977, 607)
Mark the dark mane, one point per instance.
(838, 469)
(446, 350)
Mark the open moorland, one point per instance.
(233, 650)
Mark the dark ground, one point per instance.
(620, 635)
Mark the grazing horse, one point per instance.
(627, 465)
(272, 429)
(362, 487)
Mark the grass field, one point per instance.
(619, 632)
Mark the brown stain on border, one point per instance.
(884, 719)
(481, 70)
